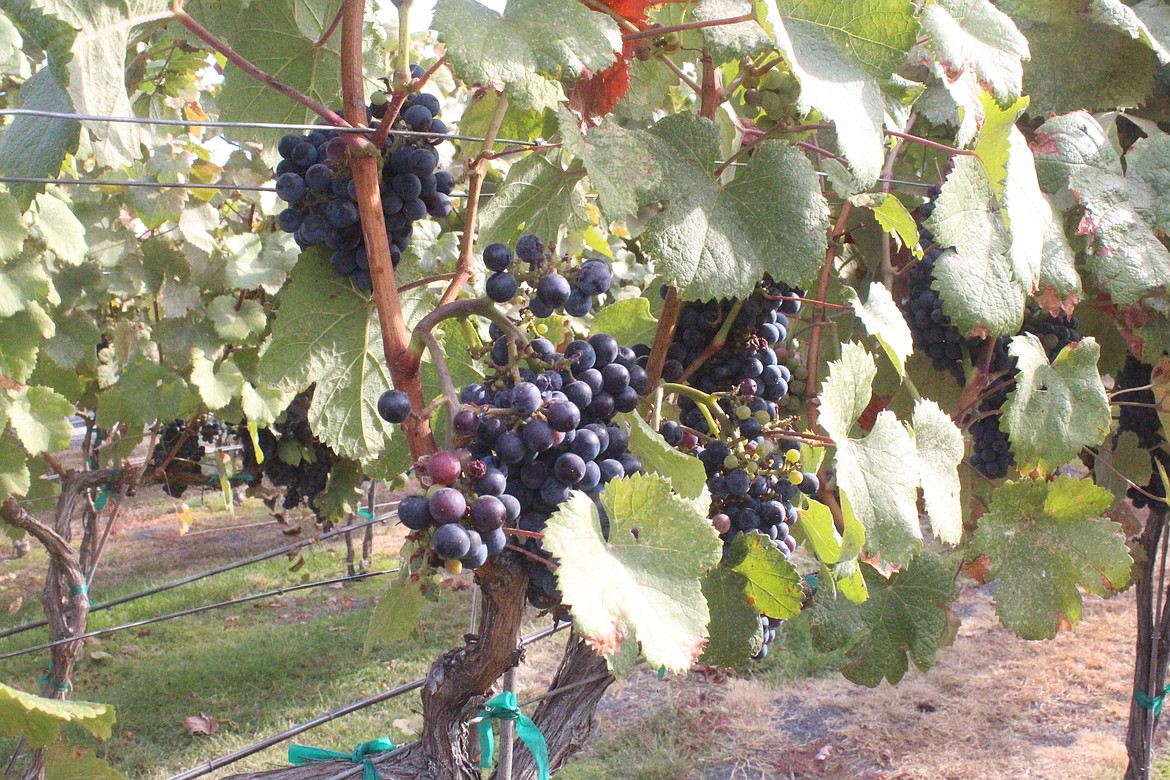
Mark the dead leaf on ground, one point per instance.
(201, 724)
(15, 605)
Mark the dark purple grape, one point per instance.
(537, 435)
(497, 257)
(394, 406)
(569, 468)
(414, 513)
(581, 355)
(525, 399)
(488, 513)
(529, 249)
(290, 187)
(447, 505)
(501, 287)
(553, 290)
(594, 278)
(451, 542)
(417, 117)
(564, 416)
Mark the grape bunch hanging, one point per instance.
(315, 179)
(547, 283)
(183, 468)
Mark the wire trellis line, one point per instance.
(196, 611)
(322, 719)
(162, 185)
(134, 120)
(337, 531)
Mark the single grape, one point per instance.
(290, 187)
(529, 249)
(394, 406)
(553, 290)
(444, 467)
(447, 505)
(569, 468)
(501, 287)
(414, 513)
(525, 399)
(451, 542)
(564, 416)
(488, 513)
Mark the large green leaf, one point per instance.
(728, 42)
(539, 196)
(1119, 16)
(38, 719)
(65, 762)
(645, 582)
(771, 581)
(43, 31)
(975, 279)
(709, 238)
(144, 392)
(59, 229)
(1055, 410)
(329, 335)
(396, 616)
(528, 48)
(39, 417)
(883, 320)
(842, 51)
(35, 146)
(877, 473)
(1123, 254)
(629, 321)
(254, 261)
(15, 479)
(22, 280)
(1043, 540)
(734, 631)
(1147, 170)
(905, 619)
(939, 446)
(1059, 77)
(218, 385)
(975, 36)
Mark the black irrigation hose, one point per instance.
(196, 611)
(204, 575)
(320, 720)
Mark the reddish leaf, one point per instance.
(201, 724)
(595, 96)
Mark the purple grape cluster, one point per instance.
(315, 179)
(523, 447)
(933, 332)
(548, 284)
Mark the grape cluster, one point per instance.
(523, 446)
(1137, 412)
(315, 179)
(183, 468)
(769, 626)
(1155, 487)
(933, 332)
(748, 360)
(212, 430)
(774, 92)
(548, 283)
(304, 475)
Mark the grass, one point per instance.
(262, 667)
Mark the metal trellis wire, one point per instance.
(197, 610)
(210, 573)
(320, 720)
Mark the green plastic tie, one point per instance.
(662, 673)
(505, 707)
(366, 514)
(813, 583)
(213, 480)
(1152, 703)
(299, 755)
(79, 590)
(47, 677)
(103, 496)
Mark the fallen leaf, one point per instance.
(15, 605)
(100, 656)
(201, 724)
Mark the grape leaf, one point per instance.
(44, 31)
(528, 47)
(883, 319)
(14, 475)
(906, 618)
(952, 102)
(842, 52)
(629, 321)
(539, 196)
(974, 36)
(330, 336)
(772, 583)
(218, 385)
(97, 71)
(1043, 540)
(1119, 459)
(396, 615)
(728, 42)
(711, 239)
(22, 280)
(1147, 170)
(342, 494)
(144, 392)
(877, 474)
(817, 532)
(893, 217)
(35, 146)
(62, 233)
(262, 405)
(236, 324)
(39, 417)
(39, 720)
(259, 262)
(975, 279)
(1055, 410)
(1123, 254)
(65, 762)
(13, 229)
(1156, 16)
(1115, 14)
(734, 631)
(645, 583)
(1059, 77)
(939, 445)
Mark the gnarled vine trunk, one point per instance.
(1153, 648)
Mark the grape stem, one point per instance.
(717, 343)
(228, 52)
(1133, 485)
(463, 308)
(522, 532)
(787, 434)
(819, 319)
(542, 561)
(654, 32)
(705, 401)
(629, 26)
(663, 335)
(440, 362)
(519, 150)
(809, 301)
(471, 212)
(325, 36)
(424, 282)
(951, 150)
(887, 172)
(979, 382)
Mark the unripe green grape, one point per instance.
(379, 98)
(772, 102)
(792, 456)
(742, 412)
(771, 79)
(751, 467)
(731, 462)
(762, 417)
(765, 448)
(795, 477)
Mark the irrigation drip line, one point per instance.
(196, 611)
(133, 120)
(322, 719)
(162, 185)
(210, 573)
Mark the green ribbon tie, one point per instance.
(366, 514)
(299, 755)
(79, 590)
(213, 480)
(505, 707)
(103, 496)
(1152, 703)
(47, 677)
